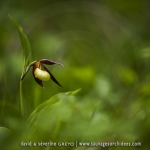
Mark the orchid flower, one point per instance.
(40, 72)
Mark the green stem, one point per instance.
(21, 100)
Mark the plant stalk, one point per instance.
(21, 100)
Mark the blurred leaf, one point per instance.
(46, 108)
(24, 43)
(127, 76)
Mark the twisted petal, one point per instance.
(50, 62)
(52, 77)
(27, 69)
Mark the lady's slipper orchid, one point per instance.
(40, 72)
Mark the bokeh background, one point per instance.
(104, 46)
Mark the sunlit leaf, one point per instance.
(24, 43)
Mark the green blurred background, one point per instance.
(104, 46)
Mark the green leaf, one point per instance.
(73, 92)
(45, 108)
(24, 43)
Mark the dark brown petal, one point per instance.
(49, 62)
(27, 69)
(51, 76)
(37, 80)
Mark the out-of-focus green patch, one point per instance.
(4, 133)
(144, 89)
(127, 75)
(124, 6)
(1, 69)
(7, 108)
(48, 43)
(80, 77)
(136, 111)
(102, 86)
(84, 74)
(145, 53)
